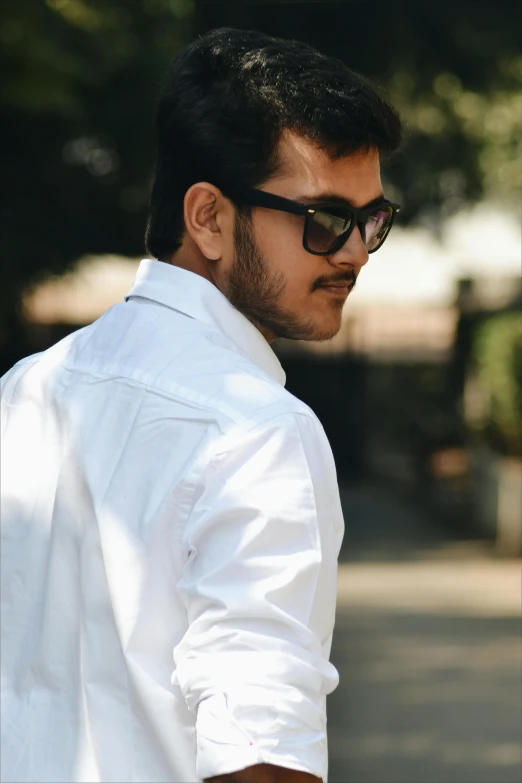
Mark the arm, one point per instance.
(259, 585)
(265, 773)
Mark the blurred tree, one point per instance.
(497, 360)
(80, 78)
(79, 84)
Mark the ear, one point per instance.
(203, 209)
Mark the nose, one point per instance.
(353, 253)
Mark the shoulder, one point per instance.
(178, 357)
(173, 358)
(287, 431)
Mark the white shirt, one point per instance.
(170, 530)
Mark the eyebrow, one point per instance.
(336, 199)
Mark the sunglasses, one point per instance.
(327, 225)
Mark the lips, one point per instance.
(338, 287)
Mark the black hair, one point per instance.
(224, 103)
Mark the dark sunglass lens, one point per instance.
(377, 227)
(324, 230)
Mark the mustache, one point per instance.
(347, 278)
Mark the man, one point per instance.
(163, 495)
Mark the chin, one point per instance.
(326, 329)
(323, 332)
(294, 326)
(323, 336)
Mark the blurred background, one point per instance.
(421, 391)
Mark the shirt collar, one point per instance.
(200, 299)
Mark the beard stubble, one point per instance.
(255, 292)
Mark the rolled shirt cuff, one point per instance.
(235, 732)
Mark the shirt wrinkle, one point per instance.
(170, 530)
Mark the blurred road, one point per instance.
(427, 645)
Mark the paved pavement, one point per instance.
(427, 645)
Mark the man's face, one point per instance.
(272, 279)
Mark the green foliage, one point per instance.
(79, 85)
(53, 49)
(497, 353)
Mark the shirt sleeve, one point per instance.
(259, 584)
